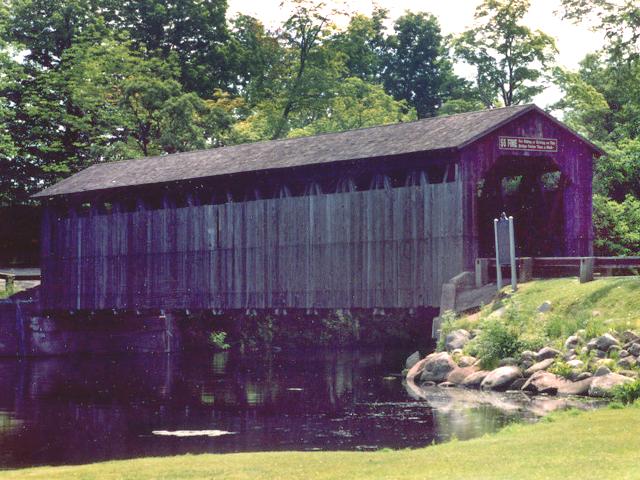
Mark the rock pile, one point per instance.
(586, 366)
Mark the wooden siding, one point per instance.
(387, 248)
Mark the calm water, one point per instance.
(86, 409)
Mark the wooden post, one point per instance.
(586, 269)
(482, 272)
(498, 267)
(525, 274)
(512, 253)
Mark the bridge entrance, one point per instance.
(531, 189)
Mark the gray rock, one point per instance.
(602, 371)
(475, 379)
(456, 339)
(446, 385)
(501, 378)
(601, 353)
(623, 354)
(416, 370)
(604, 342)
(579, 387)
(634, 349)
(627, 362)
(547, 352)
(544, 382)
(545, 307)
(527, 355)
(584, 376)
(601, 386)
(584, 350)
(576, 363)
(466, 361)
(437, 367)
(412, 360)
(543, 365)
(630, 336)
(614, 348)
(629, 373)
(572, 342)
(507, 361)
(518, 383)
(570, 355)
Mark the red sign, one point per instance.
(525, 143)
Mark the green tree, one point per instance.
(417, 67)
(509, 58)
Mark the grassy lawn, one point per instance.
(593, 445)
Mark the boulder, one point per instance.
(572, 342)
(600, 353)
(544, 382)
(623, 354)
(458, 375)
(606, 341)
(416, 370)
(518, 383)
(584, 376)
(602, 371)
(634, 349)
(576, 363)
(630, 373)
(501, 378)
(601, 386)
(545, 306)
(579, 387)
(437, 367)
(456, 339)
(507, 361)
(627, 362)
(527, 355)
(547, 352)
(466, 361)
(412, 360)
(536, 367)
(631, 337)
(475, 379)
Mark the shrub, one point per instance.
(561, 368)
(496, 340)
(627, 393)
(218, 340)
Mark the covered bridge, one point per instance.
(373, 218)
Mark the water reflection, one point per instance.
(86, 409)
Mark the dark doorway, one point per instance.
(531, 190)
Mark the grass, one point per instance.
(588, 445)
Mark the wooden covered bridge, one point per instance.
(372, 218)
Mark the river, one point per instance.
(88, 409)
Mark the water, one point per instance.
(87, 409)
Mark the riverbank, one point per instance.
(596, 444)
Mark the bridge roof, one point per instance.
(429, 134)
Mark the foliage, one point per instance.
(218, 340)
(561, 368)
(509, 58)
(616, 226)
(627, 392)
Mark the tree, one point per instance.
(417, 67)
(509, 58)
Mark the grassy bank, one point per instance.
(600, 444)
(513, 324)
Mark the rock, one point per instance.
(527, 355)
(601, 385)
(428, 384)
(602, 371)
(614, 348)
(545, 307)
(547, 352)
(584, 376)
(518, 383)
(605, 362)
(584, 350)
(570, 355)
(544, 382)
(604, 342)
(629, 373)
(456, 352)
(572, 342)
(416, 370)
(579, 387)
(437, 367)
(456, 339)
(630, 337)
(623, 354)
(501, 378)
(536, 367)
(497, 313)
(466, 361)
(601, 354)
(475, 379)
(458, 375)
(634, 349)
(576, 363)
(412, 360)
(446, 385)
(627, 362)
(507, 361)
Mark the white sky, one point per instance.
(573, 41)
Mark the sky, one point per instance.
(573, 41)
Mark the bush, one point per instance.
(561, 368)
(627, 393)
(218, 340)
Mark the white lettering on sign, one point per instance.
(526, 143)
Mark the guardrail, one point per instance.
(546, 267)
(11, 278)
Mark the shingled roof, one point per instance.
(445, 132)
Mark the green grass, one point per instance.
(601, 444)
